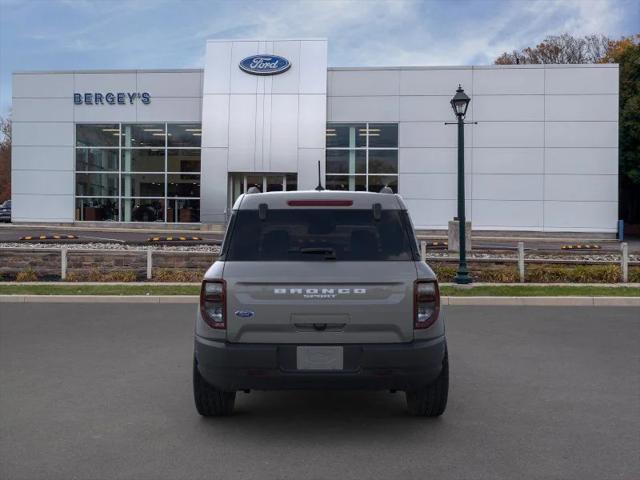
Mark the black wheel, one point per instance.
(431, 401)
(211, 402)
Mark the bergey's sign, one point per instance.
(265, 64)
(110, 98)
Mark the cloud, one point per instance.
(87, 34)
(405, 32)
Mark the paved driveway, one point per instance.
(104, 391)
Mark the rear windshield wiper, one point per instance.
(329, 253)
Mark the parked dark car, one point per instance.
(5, 211)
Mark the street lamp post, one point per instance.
(459, 103)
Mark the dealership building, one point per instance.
(179, 146)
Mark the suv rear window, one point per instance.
(315, 234)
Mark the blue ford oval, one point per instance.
(265, 64)
(244, 313)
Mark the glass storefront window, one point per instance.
(97, 135)
(143, 135)
(97, 184)
(383, 161)
(275, 183)
(346, 135)
(183, 161)
(378, 182)
(181, 185)
(183, 211)
(143, 209)
(383, 135)
(356, 183)
(143, 185)
(292, 182)
(96, 209)
(357, 154)
(239, 183)
(346, 161)
(255, 181)
(140, 167)
(143, 160)
(184, 135)
(96, 160)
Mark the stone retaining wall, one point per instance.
(183, 261)
(128, 265)
(46, 264)
(79, 262)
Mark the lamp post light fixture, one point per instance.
(460, 103)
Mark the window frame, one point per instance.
(119, 199)
(366, 148)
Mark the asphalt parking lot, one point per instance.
(104, 391)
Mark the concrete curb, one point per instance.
(453, 301)
(544, 301)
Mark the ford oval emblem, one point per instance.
(265, 64)
(244, 313)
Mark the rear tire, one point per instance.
(211, 402)
(431, 401)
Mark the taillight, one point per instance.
(426, 303)
(213, 303)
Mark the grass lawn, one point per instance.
(104, 289)
(541, 291)
(484, 290)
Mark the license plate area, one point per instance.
(320, 358)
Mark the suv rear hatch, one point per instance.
(318, 275)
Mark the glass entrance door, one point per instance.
(239, 183)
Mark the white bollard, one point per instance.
(63, 263)
(423, 250)
(624, 263)
(521, 261)
(149, 262)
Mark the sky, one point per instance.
(110, 34)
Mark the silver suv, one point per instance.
(320, 290)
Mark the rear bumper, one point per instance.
(402, 366)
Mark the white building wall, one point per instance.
(257, 123)
(543, 155)
(44, 117)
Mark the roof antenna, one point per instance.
(319, 188)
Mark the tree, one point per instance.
(5, 159)
(560, 49)
(626, 53)
(600, 49)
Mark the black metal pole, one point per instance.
(462, 276)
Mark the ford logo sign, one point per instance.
(244, 313)
(265, 64)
